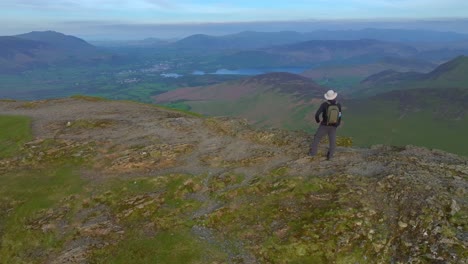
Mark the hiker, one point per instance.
(331, 119)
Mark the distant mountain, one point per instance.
(318, 52)
(452, 74)
(239, 41)
(393, 35)
(34, 49)
(255, 40)
(144, 43)
(337, 74)
(58, 40)
(201, 41)
(345, 49)
(273, 99)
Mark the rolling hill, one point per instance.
(58, 40)
(451, 74)
(427, 109)
(241, 41)
(273, 99)
(46, 48)
(327, 50)
(317, 53)
(256, 40)
(345, 77)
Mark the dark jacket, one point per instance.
(323, 111)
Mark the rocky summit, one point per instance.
(120, 182)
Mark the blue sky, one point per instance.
(18, 16)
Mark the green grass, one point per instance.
(14, 131)
(267, 109)
(341, 83)
(88, 98)
(26, 193)
(177, 109)
(179, 106)
(302, 118)
(384, 124)
(177, 246)
(169, 240)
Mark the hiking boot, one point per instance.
(328, 156)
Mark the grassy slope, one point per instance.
(27, 193)
(54, 190)
(14, 131)
(384, 124)
(448, 75)
(264, 110)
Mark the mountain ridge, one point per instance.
(282, 82)
(45, 48)
(178, 186)
(450, 74)
(258, 39)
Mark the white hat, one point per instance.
(330, 95)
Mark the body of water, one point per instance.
(171, 75)
(244, 71)
(257, 71)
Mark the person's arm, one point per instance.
(339, 115)
(317, 114)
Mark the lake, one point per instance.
(245, 71)
(254, 71)
(171, 75)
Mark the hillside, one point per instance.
(58, 40)
(430, 117)
(451, 74)
(247, 40)
(325, 50)
(257, 40)
(345, 77)
(119, 182)
(289, 101)
(273, 99)
(317, 53)
(26, 51)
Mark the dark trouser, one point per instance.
(321, 132)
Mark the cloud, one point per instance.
(87, 4)
(199, 11)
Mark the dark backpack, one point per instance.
(333, 114)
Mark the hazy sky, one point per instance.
(93, 17)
